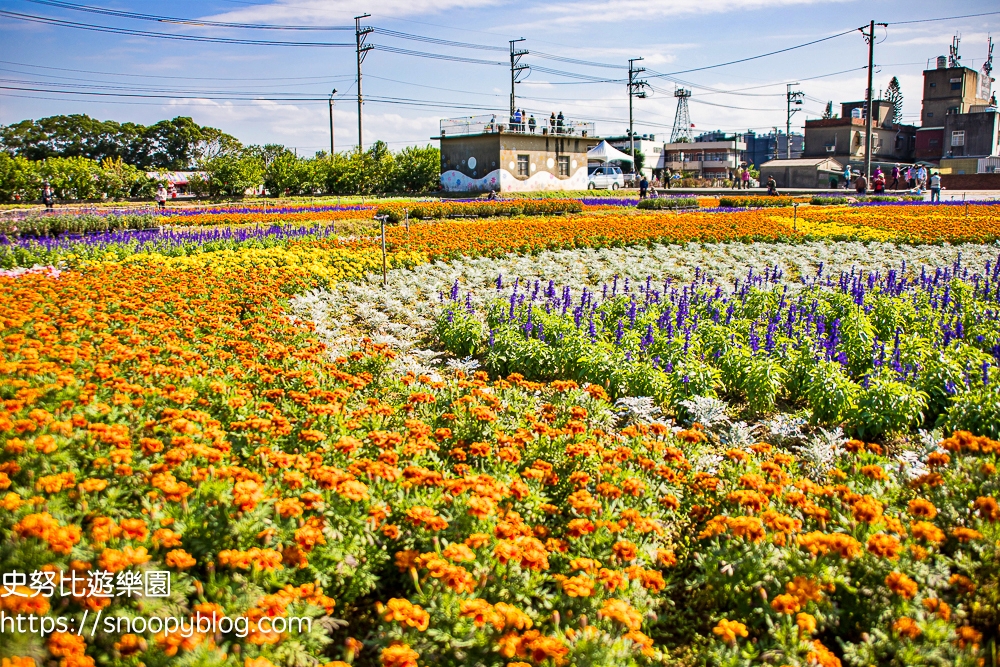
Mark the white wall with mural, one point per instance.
(505, 181)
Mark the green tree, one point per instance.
(418, 169)
(828, 112)
(894, 96)
(232, 174)
(19, 179)
(71, 177)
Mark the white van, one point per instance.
(604, 177)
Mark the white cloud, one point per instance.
(600, 11)
(339, 12)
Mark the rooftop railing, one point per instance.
(489, 124)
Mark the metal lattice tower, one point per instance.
(682, 119)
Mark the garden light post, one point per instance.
(385, 272)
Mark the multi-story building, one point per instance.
(844, 138)
(957, 120)
(951, 90)
(708, 159)
(771, 146)
(652, 151)
(479, 155)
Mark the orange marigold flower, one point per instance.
(580, 586)
(923, 509)
(935, 606)
(924, 530)
(874, 472)
(901, 585)
(806, 623)
(968, 636)
(905, 626)
(728, 631)
(404, 612)
(822, 656)
(885, 546)
(785, 604)
(625, 550)
(621, 611)
(987, 508)
(180, 559)
(966, 534)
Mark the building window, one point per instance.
(952, 110)
(958, 138)
(930, 114)
(956, 85)
(522, 165)
(563, 165)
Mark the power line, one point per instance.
(436, 56)
(318, 79)
(440, 42)
(762, 55)
(169, 19)
(164, 35)
(945, 18)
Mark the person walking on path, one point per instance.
(643, 187)
(48, 197)
(161, 196)
(910, 182)
(895, 178)
(735, 175)
(772, 186)
(847, 177)
(861, 185)
(936, 187)
(745, 178)
(922, 177)
(667, 177)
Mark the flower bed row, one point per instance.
(163, 420)
(879, 354)
(397, 212)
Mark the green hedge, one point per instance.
(56, 224)
(665, 203)
(476, 209)
(765, 201)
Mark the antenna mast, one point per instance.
(682, 119)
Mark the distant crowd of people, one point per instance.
(524, 122)
(915, 178)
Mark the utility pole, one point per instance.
(791, 97)
(331, 121)
(515, 69)
(870, 38)
(635, 89)
(362, 50)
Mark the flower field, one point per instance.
(696, 465)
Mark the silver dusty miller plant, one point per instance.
(706, 410)
(637, 410)
(821, 451)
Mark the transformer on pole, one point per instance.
(682, 119)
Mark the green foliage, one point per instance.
(168, 144)
(666, 203)
(54, 225)
(232, 174)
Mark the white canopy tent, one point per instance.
(605, 152)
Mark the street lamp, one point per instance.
(331, 121)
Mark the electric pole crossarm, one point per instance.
(870, 38)
(636, 88)
(360, 35)
(515, 69)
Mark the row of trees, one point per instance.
(169, 144)
(230, 173)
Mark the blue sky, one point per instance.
(671, 35)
